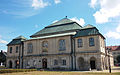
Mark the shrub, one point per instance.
(16, 70)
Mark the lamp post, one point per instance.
(109, 60)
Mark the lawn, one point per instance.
(60, 73)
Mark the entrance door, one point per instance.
(44, 63)
(10, 64)
(92, 64)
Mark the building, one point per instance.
(15, 53)
(63, 45)
(115, 50)
(3, 58)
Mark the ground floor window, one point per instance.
(55, 62)
(63, 62)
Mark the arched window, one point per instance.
(81, 63)
(62, 45)
(30, 48)
(44, 46)
(91, 42)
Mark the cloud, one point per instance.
(109, 9)
(2, 41)
(114, 35)
(79, 21)
(93, 3)
(118, 28)
(39, 4)
(57, 1)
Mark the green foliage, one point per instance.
(2, 67)
(16, 70)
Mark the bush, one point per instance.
(2, 67)
(16, 70)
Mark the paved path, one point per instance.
(114, 69)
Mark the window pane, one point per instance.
(62, 45)
(30, 48)
(80, 44)
(16, 49)
(55, 62)
(44, 46)
(91, 41)
(10, 49)
(64, 62)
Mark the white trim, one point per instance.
(56, 35)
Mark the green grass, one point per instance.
(61, 73)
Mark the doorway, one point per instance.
(92, 64)
(10, 64)
(44, 63)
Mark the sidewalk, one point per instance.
(114, 69)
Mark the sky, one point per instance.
(26, 17)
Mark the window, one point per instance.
(63, 62)
(16, 49)
(10, 49)
(30, 48)
(44, 46)
(80, 44)
(62, 45)
(55, 62)
(91, 42)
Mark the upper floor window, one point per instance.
(63, 62)
(91, 42)
(55, 62)
(44, 46)
(80, 43)
(62, 45)
(30, 48)
(10, 49)
(16, 49)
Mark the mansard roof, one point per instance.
(63, 25)
(87, 31)
(67, 25)
(20, 37)
(16, 41)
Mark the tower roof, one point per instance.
(16, 41)
(61, 22)
(88, 26)
(20, 37)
